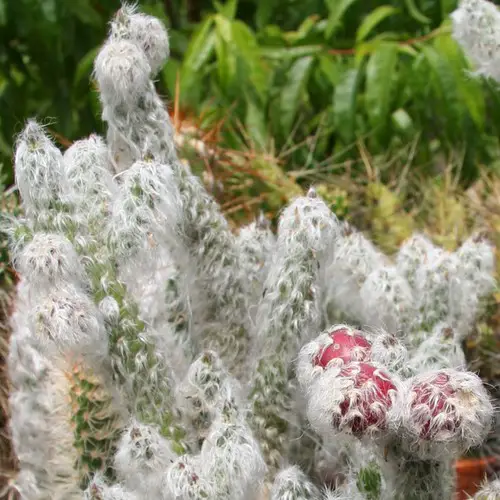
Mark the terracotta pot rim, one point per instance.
(468, 463)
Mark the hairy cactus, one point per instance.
(210, 363)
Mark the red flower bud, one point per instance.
(431, 404)
(348, 345)
(367, 400)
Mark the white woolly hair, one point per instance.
(147, 205)
(387, 300)
(454, 414)
(67, 321)
(292, 484)
(231, 455)
(440, 348)
(490, 490)
(183, 479)
(204, 389)
(38, 167)
(147, 32)
(141, 457)
(348, 490)
(99, 489)
(434, 282)
(256, 244)
(475, 281)
(88, 181)
(48, 260)
(353, 259)
(476, 27)
(40, 419)
(390, 351)
(110, 309)
(122, 72)
(412, 254)
(318, 225)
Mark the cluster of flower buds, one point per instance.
(444, 412)
(353, 386)
(347, 390)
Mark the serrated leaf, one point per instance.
(379, 83)
(373, 19)
(290, 96)
(344, 104)
(336, 11)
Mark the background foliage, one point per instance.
(303, 80)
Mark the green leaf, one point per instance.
(344, 104)
(373, 19)
(307, 26)
(369, 482)
(380, 72)
(201, 47)
(249, 57)
(169, 75)
(415, 13)
(331, 69)
(84, 67)
(49, 8)
(402, 122)
(445, 86)
(283, 53)
(195, 63)
(469, 89)
(447, 7)
(83, 10)
(224, 27)
(227, 9)
(255, 123)
(264, 12)
(3, 13)
(336, 11)
(290, 98)
(226, 59)
(303, 31)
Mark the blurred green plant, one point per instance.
(303, 80)
(9, 207)
(384, 71)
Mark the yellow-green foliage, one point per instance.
(390, 225)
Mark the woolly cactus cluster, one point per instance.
(209, 379)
